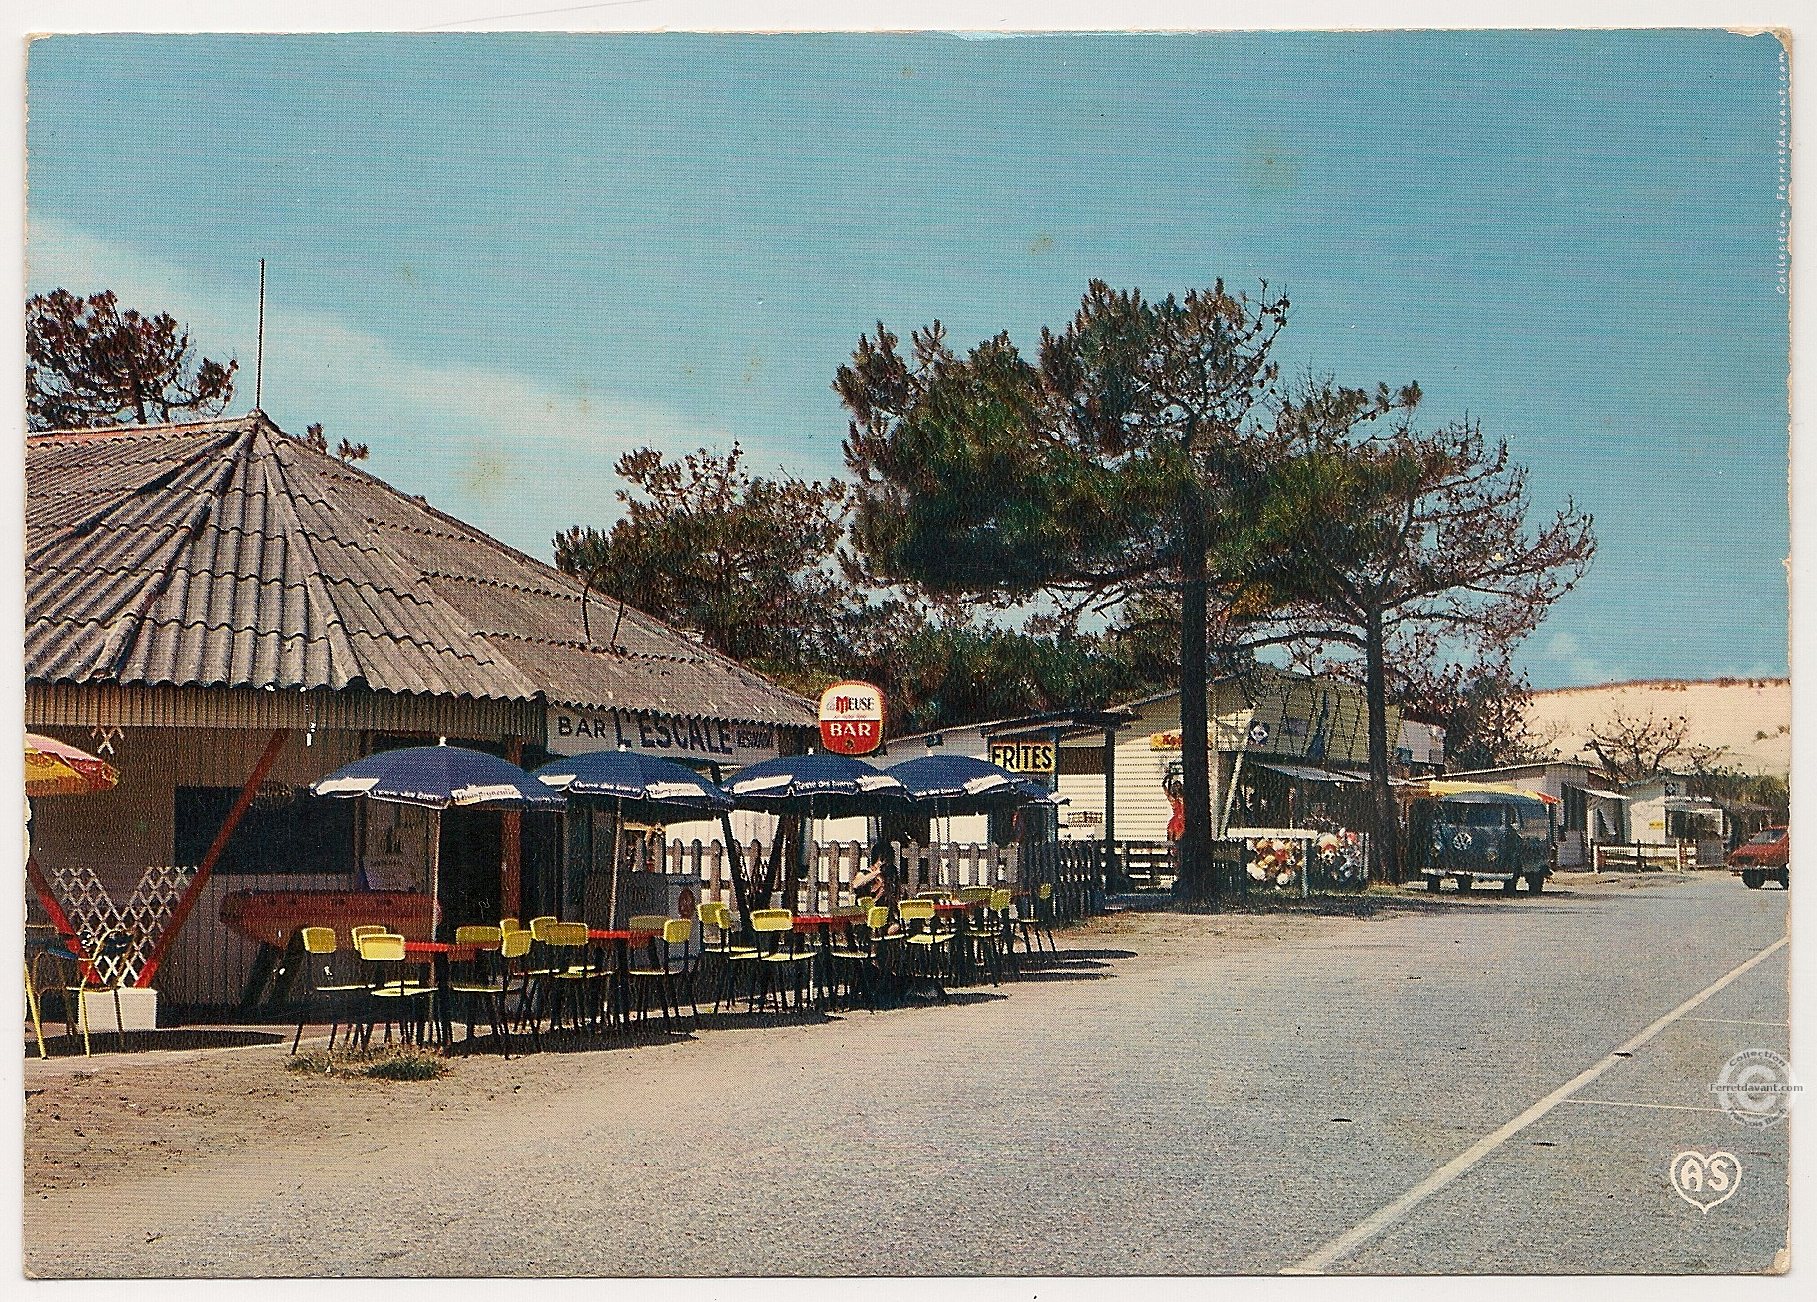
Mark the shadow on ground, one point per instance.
(188, 1037)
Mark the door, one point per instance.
(472, 849)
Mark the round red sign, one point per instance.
(851, 718)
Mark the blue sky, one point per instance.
(503, 260)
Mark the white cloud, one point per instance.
(488, 444)
(1572, 663)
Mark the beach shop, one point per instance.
(226, 615)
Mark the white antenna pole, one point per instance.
(258, 369)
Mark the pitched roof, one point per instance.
(226, 553)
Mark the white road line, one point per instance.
(1373, 1225)
(1663, 1107)
(1735, 1021)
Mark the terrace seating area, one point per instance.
(502, 987)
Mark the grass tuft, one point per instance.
(408, 1064)
(400, 1062)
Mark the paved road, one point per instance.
(1180, 1099)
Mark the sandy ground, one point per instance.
(106, 1123)
(160, 1145)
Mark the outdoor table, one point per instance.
(621, 938)
(441, 956)
(823, 923)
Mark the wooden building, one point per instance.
(227, 614)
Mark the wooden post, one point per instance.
(511, 864)
(193, 892)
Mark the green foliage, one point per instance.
(1727, 783)
(988, 477)
(744, 561)
(938, 672)
(90, 363)
(316, 437)
(1481, 704)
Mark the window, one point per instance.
(284, 830)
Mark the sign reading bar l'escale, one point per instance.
(675, 736)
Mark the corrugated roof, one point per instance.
(226, 553)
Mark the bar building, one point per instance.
(227, 614)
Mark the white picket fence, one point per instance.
(833, 864)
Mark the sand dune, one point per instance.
(1750, 718)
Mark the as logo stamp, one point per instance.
(1705, 1179)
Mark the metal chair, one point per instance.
(331, 988)
(930, 947)
(671, 964)
(391, 992)
(101, 966)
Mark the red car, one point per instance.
(1762, 858)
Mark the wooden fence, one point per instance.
(1148, 865)
(1678, 856)
(1072, 867)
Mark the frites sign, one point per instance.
(851, 718)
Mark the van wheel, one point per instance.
(1433, 883)
(1510, 886)
(1536, 883)
(1753, 878)
(1785, 879)
(1464, 884)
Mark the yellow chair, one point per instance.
(331, 987)
(481, 979)
(391, 991)
(103, 967)
(364, 930)
(869, 954)
(45, 944)
(508, 924)
(1038, 921)
(514, 972)
(538, 973)
(670, 963)
(716, 915)
(778, 953)
(571, 971)
(930, 948)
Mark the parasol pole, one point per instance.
(618, 831)
(435, 873)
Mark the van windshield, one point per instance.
(1474, 815)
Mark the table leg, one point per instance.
(443, 997)
(824, 962)
(621, 980)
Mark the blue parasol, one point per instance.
(820, 785)
(646, 783)
(437, 777)
(647, 786)
(961, 784)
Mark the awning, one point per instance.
(1597, 793)
(1442, 788)
(1305, 774)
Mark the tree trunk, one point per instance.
(1195, 884)
(1384, 842)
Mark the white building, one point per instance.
(1589, 812)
